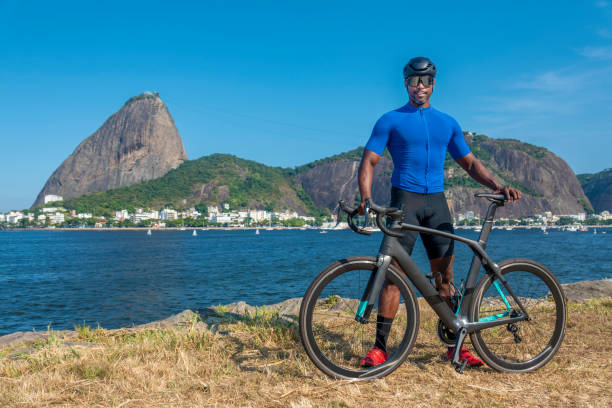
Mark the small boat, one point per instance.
(603, 232)
(195, 234)
(257, 231)
(478, 229)
(572, 228)
(149, 232)
(594, 231)
(509, 228)
(322, 232)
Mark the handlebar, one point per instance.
(394, 213)
(379, 211)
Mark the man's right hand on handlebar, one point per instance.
(362, 206)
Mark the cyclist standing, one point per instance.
(418, 137)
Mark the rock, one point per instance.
(21, 338)
(186, 318)
(140, 142)
(290, 307)
(598, 187)
(585, 290)
(547, 182)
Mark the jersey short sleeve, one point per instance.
(380, 136)
(457, 146)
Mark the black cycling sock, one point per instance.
(383, 326)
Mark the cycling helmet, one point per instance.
(420, 66)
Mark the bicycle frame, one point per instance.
(458, 322)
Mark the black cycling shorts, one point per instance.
(427, 210)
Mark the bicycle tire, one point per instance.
(526, 345)
(335, 353)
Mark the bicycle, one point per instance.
(511, 332)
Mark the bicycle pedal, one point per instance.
(459, 367)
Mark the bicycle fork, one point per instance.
(372, 289)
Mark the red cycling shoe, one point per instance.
(465, 355)
(374, 357)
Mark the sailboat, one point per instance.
(594, 231)
(148, 232)
(195, 234)
(257, 231)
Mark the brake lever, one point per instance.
(338, 217)
(367, 210)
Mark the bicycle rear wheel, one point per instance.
(526, 345)
(334, 340)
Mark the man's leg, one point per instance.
(388, 303)
(442, 270)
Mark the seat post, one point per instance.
(488, 223)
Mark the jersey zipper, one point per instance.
(427, 150)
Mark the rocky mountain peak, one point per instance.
(138, 143)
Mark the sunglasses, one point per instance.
(426, 80)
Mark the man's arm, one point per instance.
(366, 170)
(478, 172)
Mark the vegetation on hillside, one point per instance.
(587, 178)
(211, 179)
(242, 183)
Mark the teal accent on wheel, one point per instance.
(361, 308)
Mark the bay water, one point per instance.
(120, 278)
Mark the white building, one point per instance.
(168, 214)
(2, 217)
(221, 218)
(14, 217)
(49, 198)
(56, 218)
(83, 216)
(579, 216)
(258, 215)
(42, 218)
(121, 215)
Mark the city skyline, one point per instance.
(286, 85)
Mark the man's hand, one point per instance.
(361, 208)
(511, 193)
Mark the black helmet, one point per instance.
(420, 66)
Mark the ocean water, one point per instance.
(119, 278)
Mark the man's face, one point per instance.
(419, 95)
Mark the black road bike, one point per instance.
(515, 314)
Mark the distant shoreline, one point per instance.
(589, 227)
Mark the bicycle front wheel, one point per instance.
(334, 340)
(526, 345)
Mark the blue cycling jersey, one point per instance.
(417, 139)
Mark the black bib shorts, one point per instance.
(426, 210)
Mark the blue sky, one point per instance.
(285, 83)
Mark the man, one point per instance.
(418, 137)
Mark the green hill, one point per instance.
(598, 187)
(210, 180)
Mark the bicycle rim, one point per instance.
(525, 345)
(332, 337)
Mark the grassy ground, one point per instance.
(259, 361)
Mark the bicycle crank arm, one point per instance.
(459, 365)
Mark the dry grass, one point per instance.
(259, 361)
